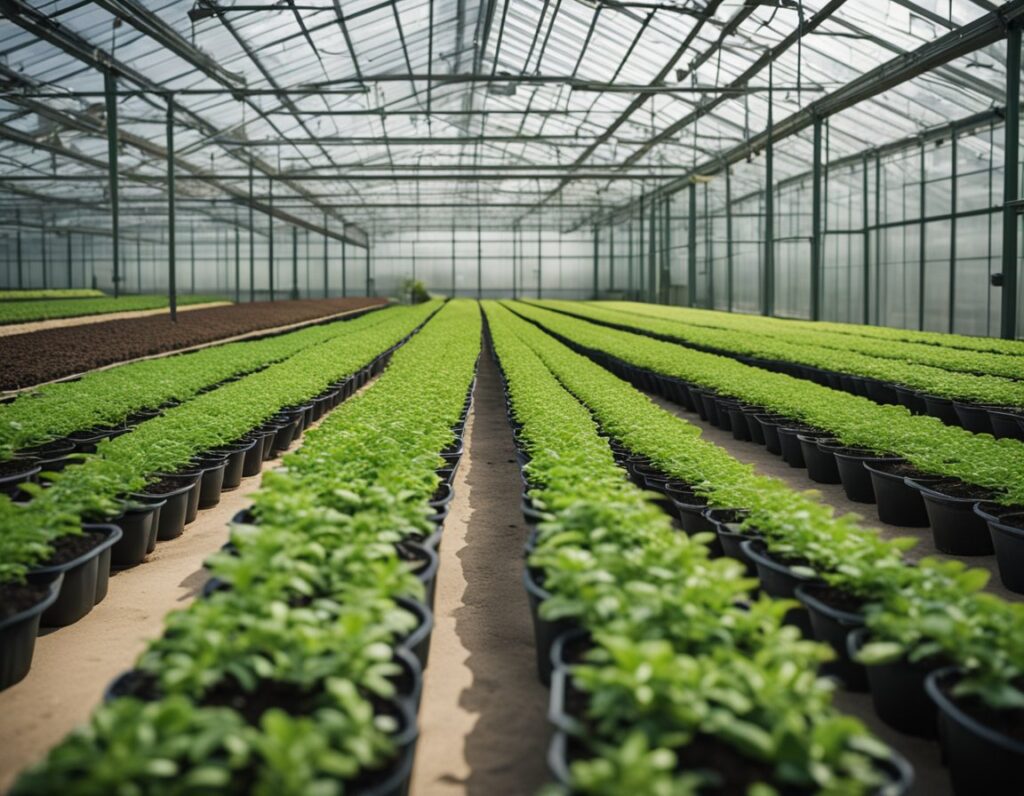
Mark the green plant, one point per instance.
(415, 290)
(56, 307)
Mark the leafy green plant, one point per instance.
(47, 308)
(33, 295)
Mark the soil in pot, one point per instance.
(898, 503)
(983, 748)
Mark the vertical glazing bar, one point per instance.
(768, 296)
(515, 264)
(691, 247)
(192, 243)
(611, 256)
(371, 289)
(629, 261)
(42, 244)
(295, 264)
(920, 248)
(172, 285)
(453, 259)
(597, 243)
(666, 248)
(866, 310)
(479, 258)
(344, 269)
(252, 241)
(652, 254)
(728, 239)
(878, 238)
(540, 266)
(327, 286)
(816, 223)
(951, 310)
(17, 243)
(71, 278)
(640, 255)
(110, 89)
(238, 262)
(270, 238)
(1011, 188)
(138, 264)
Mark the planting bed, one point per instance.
(42, 356)
(21, 310)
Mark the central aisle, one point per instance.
(483, 729)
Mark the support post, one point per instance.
(192, 245)
(515, 247)
(42, 244)
(866, 319)
(666, 252)
(652, 254)
(71, 278)
(295, 264)
(728, 239)
(138, 264)
(252, 240)
(110, 90)
(629, 261)
(768, 296)
(1011, 188)
(479, 258)
(920, 249)
(369, 281)
(453, 259)
(816, 264)
(951, 308)
(238, 262)
(691, 247)
(611, 257)
(327, 285)
(172, 284)
(597, 243)
(17, 240)
(344, 268)
(640, 253)
(270, 236)
(540, 265)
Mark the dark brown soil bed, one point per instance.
(16, 597)
(68, 548)
(35, 357)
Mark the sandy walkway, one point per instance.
(483, 727)
(80, 320)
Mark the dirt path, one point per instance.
(483, 727)
(80, 320)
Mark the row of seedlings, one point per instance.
(47, 307)
(942, 657)
(58, 546)
(41, 429)
(969, 488)
(299, 671)
(668, 673)
(979, 400)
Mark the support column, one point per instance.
(611, 257)
(238, 262)
(666, 253)
(816, 264)
(597, 243)
(453, 259)
(691, 245)
(344, 268)
(71, 278)
(368, 279)
(295, 264)
(42, 244)
(652, 253)
(1011, 188)
(920, 248)
(479, 258)
(515, 246)
(172, 284)
(110, 89)
(728, 239)
(270, 236)
(768, 287)
(327, 286)
(951, 308)
(540, 266)
(138, 264)
(192, 245)
(867, 251)
(17, 240)
(252, 241)
(640, 254)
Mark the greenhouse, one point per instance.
(507, 397)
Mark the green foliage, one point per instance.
(311, 606)
(681, 650)
(34, 295)
(931, 608)
(166, 443)
(107, 397)
(46, 309)
(415, 291)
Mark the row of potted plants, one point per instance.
(43, 426)
(57, 548)
(300, 671)
(926, 443)
(46, 307)
(669, 675)
(939, 355)
(923, 628)
(888, 334)
(966, 399)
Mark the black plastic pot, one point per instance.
(87, 439)
(792, 453)
(738, 423)
(779, 580)
(287, 432)
(855, 478)
(192, 509)
(85, 579)
(973, 417)
(171, 521)
(820, 461)
(911, 399)
(724, 406)
(770, 431)
(26, 470)
(730, 541)
(942, 408)
(981, 759)
(710, 401)
(211, 481)
(897, 690)
(690, 511)
(754, 429)
(235, 468)
(1006, 424)
(898, 503)
(1008, 542)
(832, 626)
(426, 562)
(139, 525)
(18, 636)
(956, 529)
(544, 632)
(418, 640)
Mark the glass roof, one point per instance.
(372, 115)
